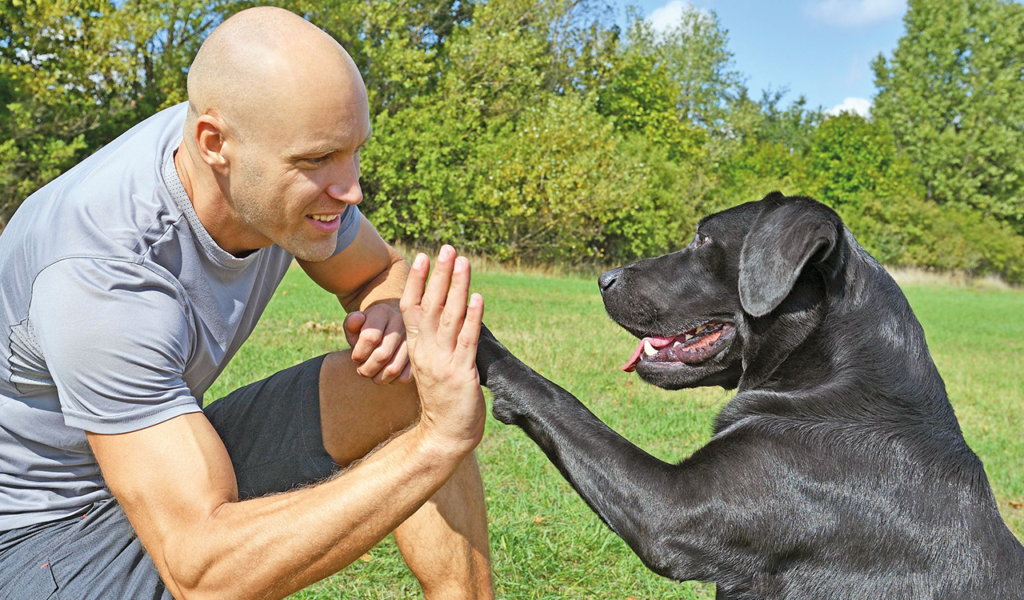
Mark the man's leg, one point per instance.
(445, 542)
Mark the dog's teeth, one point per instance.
(675, 345)
(689, 337)
(649, 350)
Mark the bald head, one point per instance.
(264, 64)
(277, 115)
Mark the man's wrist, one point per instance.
(438, 448)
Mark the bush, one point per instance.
(909, 232)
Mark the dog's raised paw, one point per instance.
(489, 351)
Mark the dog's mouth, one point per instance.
(691, 347)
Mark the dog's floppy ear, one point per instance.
(787, 233)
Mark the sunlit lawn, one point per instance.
(545, 542)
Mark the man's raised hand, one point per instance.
(443, 334)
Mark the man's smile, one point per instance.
(325, 223)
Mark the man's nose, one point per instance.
(345, 186)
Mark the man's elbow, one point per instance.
(191, 578)
(190, 583)
(192, 570)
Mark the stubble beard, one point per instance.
(258, 212)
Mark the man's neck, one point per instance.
(184, 171)
(218, 223)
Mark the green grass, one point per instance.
(545, 542)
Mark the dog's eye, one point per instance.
(699, 240)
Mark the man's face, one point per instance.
(297, 170)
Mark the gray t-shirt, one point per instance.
(117, 312)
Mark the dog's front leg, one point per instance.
(634, 493)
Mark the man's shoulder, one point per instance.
(110, 204)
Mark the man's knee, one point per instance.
(358, 415)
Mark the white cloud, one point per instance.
(861, 106)
(667, 16)
(854, 13)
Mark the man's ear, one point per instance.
(786, 235)
(209, 138)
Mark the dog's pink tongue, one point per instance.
(657, 342)
(630, 365)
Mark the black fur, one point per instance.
(837, 471)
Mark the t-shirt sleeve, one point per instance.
(116, 340)
(348, 228)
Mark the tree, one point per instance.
(56, 101)
(641, 96)
(695, 51)
(953, 95)
(852, 159)
(793, 126)
(399, 45)
(74, 74)
(766, 148)
(164, 36)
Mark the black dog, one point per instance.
(837, 471)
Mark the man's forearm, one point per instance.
(270, 547)
(386, 287)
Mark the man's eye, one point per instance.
(318, 160)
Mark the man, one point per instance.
(129, 282)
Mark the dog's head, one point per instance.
(734, 303)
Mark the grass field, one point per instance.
(545, 542)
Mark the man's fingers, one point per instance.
(437, 289)
(469, 336)
(352, 324)
(382, 353)
(413, 294)
(455, 304)
(395, 366)
(371, 336)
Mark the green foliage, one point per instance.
(74, 74)
(850, 159)
(661, 211)
(792, 126)
(953, 94)
(56, 100)
(400, 47)
(908, 232)
(696, 54)
(164, 36)
(540, 131)
(765, 150)
(641, 96)
(546, 187)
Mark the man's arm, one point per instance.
(178, 489)
(368, 277)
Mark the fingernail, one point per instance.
(418, 263)
(446, 252)
(461, 264)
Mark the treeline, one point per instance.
(540, 130)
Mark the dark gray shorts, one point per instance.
(271, 429)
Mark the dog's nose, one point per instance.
(607, 280)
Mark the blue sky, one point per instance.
(819, 48)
